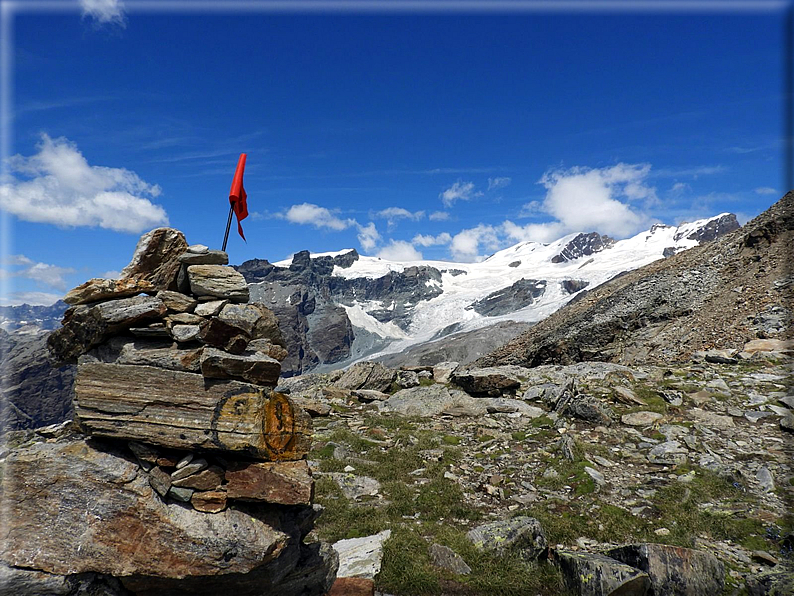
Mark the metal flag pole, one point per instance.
(228, 225)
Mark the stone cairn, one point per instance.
(175, 365)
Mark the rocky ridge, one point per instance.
(184, 472)
(718, 295)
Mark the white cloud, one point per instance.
(104, 12)
(394, 213)
(319, 217)
(430, 240)
(765, 190)
(17, 260)
(368, 236)
(438, 216)
(499, 182)
(113, 274)
(531, 209)
(460, 191)
(590, 199)
(399, 250)
(680, 187)
(540, 232)
(65, 190)
(44, 274)
(465, 245)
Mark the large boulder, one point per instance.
(367, 375)
(432, 401)
(590, 574)
(156, 258)
(102, 516)
(521, 534)
(487, 381)
(674, 570)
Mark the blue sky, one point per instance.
(442, 135)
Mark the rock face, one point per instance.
(720, 289)
(185, 473)
(521, 294)
(583, 245)
(33, 392)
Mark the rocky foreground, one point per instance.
(183, 472)
(595, 478)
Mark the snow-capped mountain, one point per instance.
(340, 307)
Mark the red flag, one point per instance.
(237, 196)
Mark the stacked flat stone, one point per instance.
(176, 376)
(147, 371)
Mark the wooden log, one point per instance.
(183, 410)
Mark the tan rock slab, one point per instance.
(98, 289)
(209, 479)
(219, 281)
(284, 483)
(209, 501)
(156, 258)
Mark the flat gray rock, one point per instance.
(361, 557)
(446, 558)
(217, 280)
(640, 418)
(252, 366)
(520, 534)
(433, 400)
(354, 487)
(210, 257)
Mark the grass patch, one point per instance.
(450, 440)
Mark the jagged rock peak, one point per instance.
(583, 245)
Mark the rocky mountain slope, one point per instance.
(718, 295)
(338, 308)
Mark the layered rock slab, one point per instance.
(181, 410)
(102, 516)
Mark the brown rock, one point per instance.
(353, 586)
(184, 411)
(213, 501)
(211, 257)
(220, 335)
(98, 289)
(156, 258)
(209, 479)
(72, 509)
(283, 483)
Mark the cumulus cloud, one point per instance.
(598, 199)
(460, 191)
(368, 236)
(466, 244)
(62, 188)
(319, 217)
(765, 190)
(399, 250)
(104, 12)
(430, 240)
(438, 216)
(393, 214)
(499, 182)
(539, 232)
(44, 274)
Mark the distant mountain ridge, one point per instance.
(340, 307)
